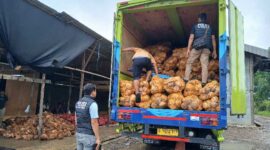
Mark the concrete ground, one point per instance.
(236, 138)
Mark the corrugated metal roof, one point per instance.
(257, 51)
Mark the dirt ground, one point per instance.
(68, 143)
(236, 138)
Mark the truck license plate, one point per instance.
(167, 132)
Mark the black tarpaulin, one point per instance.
(37, 39)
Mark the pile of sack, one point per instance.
(157, 48)
(26, 128)
(159, 52)
(192, 102)
(193, 87)
(213, 70)
(157, 99)
(175, 64)
(128, 97)
(170, 66)
(210, 96)
(145, 91)
(173, 93)
(168, 92)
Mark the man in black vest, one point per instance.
(87, 119)
(199, 30)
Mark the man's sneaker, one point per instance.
(138, 98)
(203, 84)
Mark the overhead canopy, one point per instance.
(34, 38)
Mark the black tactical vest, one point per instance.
(200, 29)
(83, 115)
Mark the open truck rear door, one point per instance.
(237, 61)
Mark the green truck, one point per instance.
(139, 23)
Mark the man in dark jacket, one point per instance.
(3, 100)
(199, 30)
(87, 132)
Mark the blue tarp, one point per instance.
(34, 38)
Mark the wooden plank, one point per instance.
(69, 98)
(40, 121)
(103, 87)
(100, 54)
(87, 72)
(23, 78)
(99, 82)
(82, 76)
(90, 56)
(19, 96)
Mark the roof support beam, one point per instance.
(176, 24)
(87, 72)
(88, 59)
(23, 78)
(102, 55)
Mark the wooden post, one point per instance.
(81, 84)
(40, 122)
(82, 76)
(69, 97)
(69, 93)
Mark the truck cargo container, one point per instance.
(139, 23)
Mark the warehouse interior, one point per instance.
(63, 85)
(62, 89)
